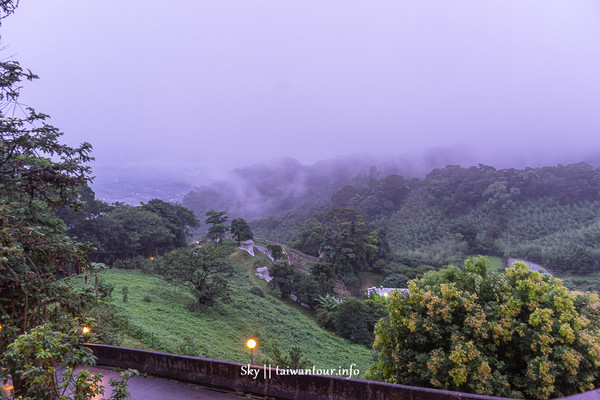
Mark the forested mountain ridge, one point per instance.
(549, 215)
(284, 184)
(276, 186)
(456, 189)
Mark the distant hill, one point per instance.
(549, 215)
(279, 185)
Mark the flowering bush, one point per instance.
(516, 333)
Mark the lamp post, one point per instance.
(251, 344)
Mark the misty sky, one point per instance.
(227, 83)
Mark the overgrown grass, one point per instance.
(588, 283)
(495, 263)
(160, 319)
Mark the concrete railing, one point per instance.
(271, 382)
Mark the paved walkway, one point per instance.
(152, 388)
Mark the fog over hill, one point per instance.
(188, 92)
(284, 183)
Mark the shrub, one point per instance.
(255, 290)
(295, 360)
(283, 310)
(355, 319)
(517, 333)
(138, 262)
(395, 281)
(276, 251)
(206, 272)
(46, 360)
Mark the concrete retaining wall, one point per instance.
(233, 377)
(269, 382)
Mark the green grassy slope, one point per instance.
(165, 323)
(495, 263)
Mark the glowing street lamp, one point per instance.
(251, 344)
(85, 330)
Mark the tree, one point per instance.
(284, 277)
(176, 218)
(276, 251)
(515, 334)
(350, 253)
(205, 271)
(218, 229)
(47, 359)
(241, 230)
(326, 307)
(306, 290)
(128, 231)
(81, 222)
(324, 275)
(38, 174)
(355, 319)
(121, 231)
(351, 245)
(7, 7)
(344, 196)
(395, 281)
(310, 237)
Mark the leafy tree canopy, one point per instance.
(129, 230)
(120, 231)
(310, 237)
(355, 319)
(241, 230)
(205, 272)
(47, 359)
(516, 334)
(177, 219)
(218, 229)
(284, 278)
(7, 7)
(276, 251)
(38, 174)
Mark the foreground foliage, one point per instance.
(37, 175)
(517, 334)
(47, 360)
